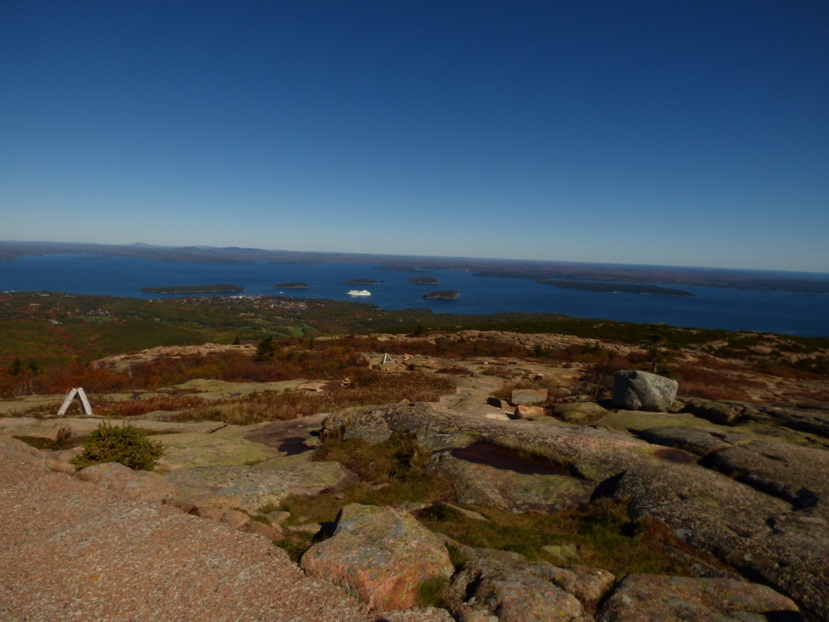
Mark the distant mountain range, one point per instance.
(621, 273)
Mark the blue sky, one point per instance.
(690, 132)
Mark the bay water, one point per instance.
(730, 309)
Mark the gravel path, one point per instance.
(72, 551)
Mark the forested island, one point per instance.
(364, 282)
(444, 294)
(618, 288)
(294, 285)
(193, 289)
(424, 280)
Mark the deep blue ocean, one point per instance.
(730, 309)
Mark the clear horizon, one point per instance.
(821, 275)
(642, 133)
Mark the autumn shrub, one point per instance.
(134, 408)
(119, 443)
(713, 384)
(367, 387)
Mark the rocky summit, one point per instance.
(524, 494)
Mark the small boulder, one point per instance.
(641, 390)
(525, 411)
(382, 554)
(657, 598)
(528, 396)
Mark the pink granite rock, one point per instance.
(382, 554)
(141, 484)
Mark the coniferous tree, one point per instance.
(266, 350)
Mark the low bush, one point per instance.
(366, 387)
(119, 443)
(136, 407)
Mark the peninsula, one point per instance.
(618, 288)
(295, 285)
(193, 289)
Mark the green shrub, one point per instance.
(432, 593)
(123, 443)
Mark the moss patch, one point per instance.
(601, 532)
(636, 421)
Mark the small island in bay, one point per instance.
(193, 289)
(424, 280)
(363, 282)
(444, 294)
(618, 288)
(294, 285)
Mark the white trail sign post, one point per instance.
(83, 402)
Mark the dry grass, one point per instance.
(367, 387)
(135, 408)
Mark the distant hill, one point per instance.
(801, 283)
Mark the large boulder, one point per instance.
(657, 598)
(382, 554)
(640, 390)
(250, 487)
(144, 485)
(486, 588)
(489, 475)
(755, 533)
